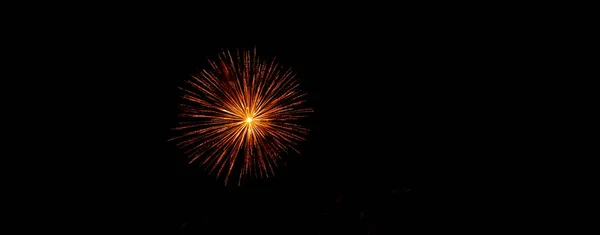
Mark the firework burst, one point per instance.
(241, 111)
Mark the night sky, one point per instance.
(381, 107)
(387, 127)
(418, 114)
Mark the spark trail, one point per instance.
(241, 111)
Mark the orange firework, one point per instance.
(241, 112)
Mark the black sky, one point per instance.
(384, 107)
(390, 107)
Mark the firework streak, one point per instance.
(243, 111)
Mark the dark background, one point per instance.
(414, 109)
(397, 113)
(384, 123)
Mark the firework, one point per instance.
(242, 111)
